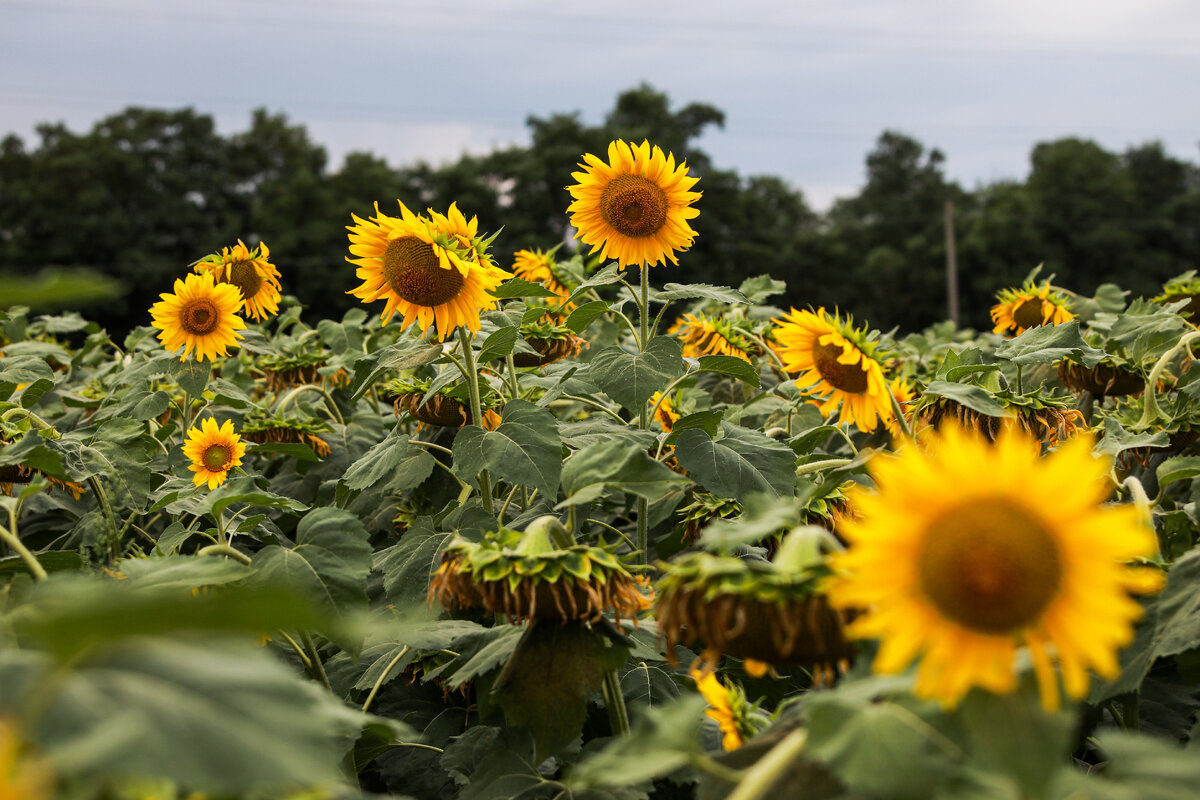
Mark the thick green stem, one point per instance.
(514, 389)
(315, 658)
(1150, 410)
(11, 539)
(614, 701)
(763, 776)
(643, 505)
(383, 678)
(110, 520)
(226, 550)
(817, 466)
(644, 319)
(472, 377)
(898, 413)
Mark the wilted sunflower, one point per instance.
(1049, 419)
(201, 315)
(1030, 306)
(708, 336)
(213, 451)
(264, 429)
(969, 551)
(838, 362)
(636, 206)
(539, 267)
(442, 409)
(246, 268)
(1183, 287)
(19, 473)
(551, 340)
(433, 270)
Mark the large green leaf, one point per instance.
(740, 463)
(632, 378)
(661, 741)
(731, 366)
(1047, 344)
(329, 563)
(408, 565)
(682, 291)
(619, 465)
(404, 466)
(524, 449)
(974, 397)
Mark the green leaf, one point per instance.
(484, 653)
(175, 710)
(408, 566)
(632, 378)
(623, 466)
(973, 397)
(51, 561)
(680, 291)
(609, 275)
(403, 465)
(660, 742)
(519, 287)
(524, 449)
(762, 516)
(405, 355)
(217, 501)
(300, 452)
(545, 685)
(585, 314)
(34, 392)
(1047, 344)
(1143, 768)
(732, 366)
(182, 572)
(329, 563)
(600, 429)
(707, 421)
(740, 463)
(21, 369)
(498, 345)
(192, 375)
(1179, 468)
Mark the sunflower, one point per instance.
(970, 550)
(200, 316)
(837, 361)
(727, 707)
(1028, 307)
(902, 390)
(636, 206)
(666, 414)
(246, 268)
(433, 270)
(213, 452)
(22, 775)
(539, 267)
(706, 336)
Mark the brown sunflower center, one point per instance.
(850, 378)
(199, 316)
(216, 457)
(634, 206)
(1029, 313)
(245, 276)
(410, 267)
(989, 566)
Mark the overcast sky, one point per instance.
(806, 86)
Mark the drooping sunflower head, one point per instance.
(213, 451)
(446, 408)
(970, 550)
(1029, 306)
(635, 206)
(838, 362)
(551, 341)
(539, 267)
(1183, 287)
(434, 270)
(1047, 418)
(702, 335)
(202, 315)
(248, 269)
(271, 429)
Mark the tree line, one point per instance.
(146, 192)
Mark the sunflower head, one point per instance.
(248, 269)
(635, 206)
(838, 363)
(539, 267)
(551, 340)
(1047, 418)
(970, 550)
(213, 451)
(528, 575)
(702, 335)
(728, 707)
(266, 428)
(666, 414)
(433, 270)
(1184, 287)
(444, 408)
(22, 775)
(201, 315)
(1105, 379)
(1028, 306)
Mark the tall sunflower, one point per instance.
(434, 270)
(213, 451)
(1029, 306)
(636, 206)
(201, 315)
(246, 268)
(969, 551)
(838, 362)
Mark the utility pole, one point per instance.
(951, 264)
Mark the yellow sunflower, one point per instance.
(536, 266)
(968, 551)
(666, 414)
(637, 205)
(213, 451)
(201, 315)
(721, 709)
(432, 270)
(837, 362)
(705, 336)
(22, 776)
(246, 268)
(1028, 307)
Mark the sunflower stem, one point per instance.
(472, 376)
(1087, 404)
(317, 667)
(110, 521)
(513, 388)
(10, 538)
(898, 413)
(614, 701)
(1150, 410)
(763, 776)
(382, 678)
(227, 551)
(644, 306)
(1020, 388)
(291, 395)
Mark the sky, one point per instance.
(806, 86)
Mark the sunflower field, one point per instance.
(563, 525)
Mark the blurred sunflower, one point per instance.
(246, 268)
(970, 550)
(727, 707)
(838, 362)
(213, 451)
(22, 776)
(1031, 305)
(707, 336)
(636, 206)
(201, 315)
(433, 270)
